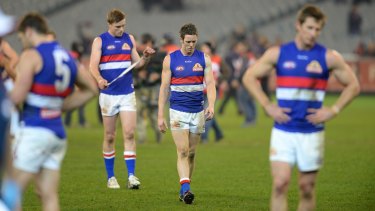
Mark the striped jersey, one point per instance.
(55, 81)
(115, 58)
(302, 77)
(187, 81)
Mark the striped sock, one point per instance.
(129, 157)
(185, 185)
(109, 161)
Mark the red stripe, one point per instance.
(129, 156)
(187, 80)
(115, 58)
(300, 82)
(184, 181)
(108, 155)
(49, 90)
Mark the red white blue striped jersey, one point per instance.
(116, 57)
(302, 77)
(187, 81)
(55, 81)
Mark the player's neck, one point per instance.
(41, 39)
(301, 45)
(186, 53)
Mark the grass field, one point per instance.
(231, 175)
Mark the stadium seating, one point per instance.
(215, 19)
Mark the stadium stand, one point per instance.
(214, 19)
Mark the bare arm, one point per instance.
(345, 75)
(262, 68)
(10, 58)
(146, 54)
(30, 62)
(211, 88)
(86, 90)
(164, 93)
(96, 52)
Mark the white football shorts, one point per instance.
(194, 122)
(35, 148)
(302, 149)
(112, 104)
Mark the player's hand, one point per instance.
(280, 115)
(321, 115)
(209, 113)
(4, 61)
(148, 52)
(162, 125)
(102, 83)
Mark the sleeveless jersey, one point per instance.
(187, 81)
(115, 58)
(302, 77)
(5, 106)
(51, 85)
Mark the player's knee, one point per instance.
(280, 185)
(306, 189)
(191, 155)
(129, 135)
(183, 153)
(110, 137)
(47, 195)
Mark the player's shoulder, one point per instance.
(272, 53)
(30, 54)
(334, 58)
(167, 58)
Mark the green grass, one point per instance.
(231, 175)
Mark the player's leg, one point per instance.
(194, 139)
(109, 125)
(281, 174)
(282, 157)
(310, 150)
(47, 182)
(196, 129)
(109, 110)
(22, 178)
(181, 140)
(306, 183)
(29, 149)
(128, 123)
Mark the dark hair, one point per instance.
(310, 11)
(210, 46)
(34, 20)
(188, 29)
(145, 38)
(115, 16)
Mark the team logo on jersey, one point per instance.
(110, 47)
(125, 46)
(314, 67)
(289, 65)
(197, 67)
(180, 68)
(302, 57)
(50, 114)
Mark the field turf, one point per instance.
(233, 174)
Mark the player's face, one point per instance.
(205, 49)
(22, 36)
(309, 31)
(117, 29)
(189, 43)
